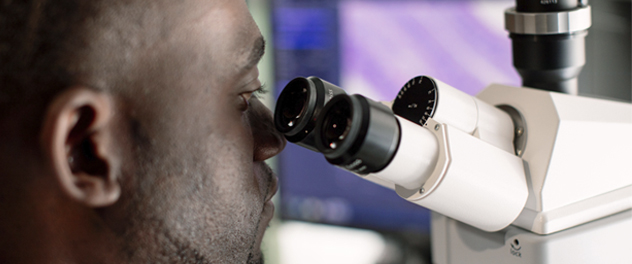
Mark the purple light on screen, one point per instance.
(386, 43)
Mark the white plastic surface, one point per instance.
(605, 240)
(578, 213)
(455, 108)
(579, 153)
(593, 150)
(484, 186)
(473, 116)
(415, 157)
(494, 126)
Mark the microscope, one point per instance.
(533, 174)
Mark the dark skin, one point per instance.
(162, 162)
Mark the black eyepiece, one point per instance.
(357, 134)
(298, 106)
(336, 125)
(294, 101)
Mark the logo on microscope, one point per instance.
(515, 248)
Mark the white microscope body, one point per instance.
(513, 175)
(578, 165)
(558, 190)
(576, 154)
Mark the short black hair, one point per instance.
(37, 40)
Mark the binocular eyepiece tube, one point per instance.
(365, 137)
(355, 133)
(431, 148)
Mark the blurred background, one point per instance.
(373, 47)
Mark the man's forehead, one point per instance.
(195, 37)
(225, 27)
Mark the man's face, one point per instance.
(200, 190)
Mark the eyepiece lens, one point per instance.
(294, 103)
(337, 124)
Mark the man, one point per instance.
(130, 132)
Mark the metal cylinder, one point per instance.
(550, 62)
(548, 42)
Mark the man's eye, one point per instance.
(262, 90)
(246, 97)
(244, 103)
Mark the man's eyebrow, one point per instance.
(257, 52)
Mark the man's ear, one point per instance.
(79, 144)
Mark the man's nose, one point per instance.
(268, 142)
